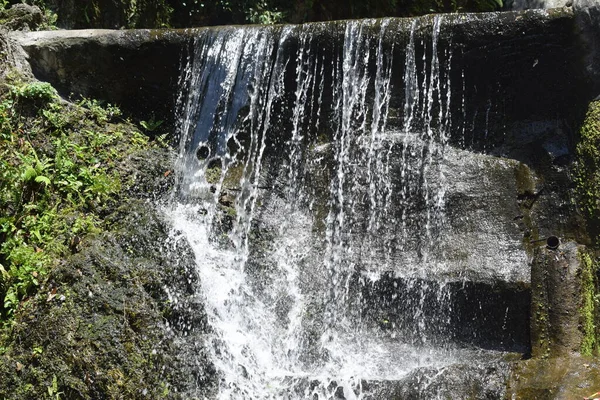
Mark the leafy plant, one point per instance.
(34, 168)
(53, 389)
(262, 14)
(59, 167)
(102, 113)
(50, 20)
(35, 91)
(151, 125)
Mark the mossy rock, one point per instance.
(98, 322)
(572, 377)
(587, 171)
(98, 327)
(21, 17)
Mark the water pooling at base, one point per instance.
(312, 178)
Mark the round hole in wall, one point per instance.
(203, 152)
(552, 242)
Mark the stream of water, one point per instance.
(312, 182)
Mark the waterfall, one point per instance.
(312, 180)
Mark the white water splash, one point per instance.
(317, 195)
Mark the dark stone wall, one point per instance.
(518, 66)
(136, 70)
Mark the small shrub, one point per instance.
(35, 91)
(102, 113)
(262, 14)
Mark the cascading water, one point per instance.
(312, 181)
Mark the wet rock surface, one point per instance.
(490, 316)
(556, 301)
(118, 66)
(458, 381)
(561, 378)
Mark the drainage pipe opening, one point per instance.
(552, 242)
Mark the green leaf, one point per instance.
(43, 179)
(151, 124)
(29, 173)
(37, 235)
(10, 299)
(4, 272)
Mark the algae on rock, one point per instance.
(587, 171)
(564, 310)
(588, 312)
(98, 324)
(587, 187)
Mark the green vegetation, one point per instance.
(587, 171)
(588, 304)
(261, 13)
(59, 174)
(151, 125)
(81, 263)
(586, 176)
(213, 174)
(172, 13)
(28, 18)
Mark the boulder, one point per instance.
(21, 17)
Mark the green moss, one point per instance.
(233, 176)
(524, 180)
(61, 167)
(526, 196)
(587, 304)
(213, 174)
(103, 339)
(587, 170)
(572, 377)
(587, 180)
(80, 277)
(540, 311)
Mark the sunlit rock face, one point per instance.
(537, 4)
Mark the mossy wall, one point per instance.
(587, 171)
(548, 279)
(562, 309)
(588, 309)
(587, 188)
